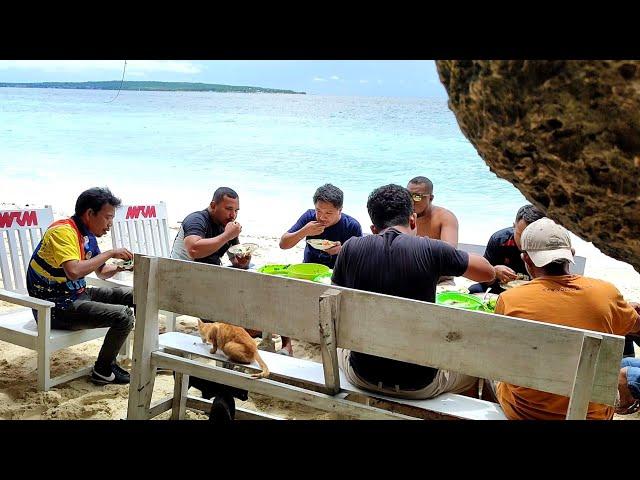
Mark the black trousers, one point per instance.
(99, 308)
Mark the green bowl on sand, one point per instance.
(460, 300)
(307, 271)
(274, 269)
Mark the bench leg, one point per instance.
(180, 388)
(170, 321)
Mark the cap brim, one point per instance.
(545, 257)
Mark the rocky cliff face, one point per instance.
(565, 133)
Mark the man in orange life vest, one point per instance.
(67, 253)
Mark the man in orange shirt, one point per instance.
(577, 301)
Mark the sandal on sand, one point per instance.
(633, 408)
(284, 351)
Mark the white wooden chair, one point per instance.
(20, 233)
(576, 363)
(143, 229)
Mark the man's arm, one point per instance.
(290, 240)
(199, 247)
(77, 269)
(449, 229)
(504, 274)
(479, 269)
(304, 227)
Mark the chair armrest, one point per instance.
(98, 282)
(24, 300)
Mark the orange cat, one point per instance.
(235, 342)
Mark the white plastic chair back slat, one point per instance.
(115, 236)
(142, 245)
(15, 247)
(164, 238)
(5, 272)
(24, 243)
(130, 240)
(14, 253)
(148, 236)
(141, 229)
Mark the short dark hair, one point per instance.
(557, 267)
(330, 194)
(529, 214)
(95, 198)
(390, 205)
(424, 181)
(222, 192)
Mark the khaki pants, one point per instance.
(444, 382)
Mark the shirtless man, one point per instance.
(434, 222)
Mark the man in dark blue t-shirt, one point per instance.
(503, 251)
(325, 222)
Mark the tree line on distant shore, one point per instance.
(151, 86)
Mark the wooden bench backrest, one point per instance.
(522, 352)
(576, 268)
(20, 232)
(142, 229)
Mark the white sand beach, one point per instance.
(80, 399)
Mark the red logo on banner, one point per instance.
(148, 211)
(24, 218)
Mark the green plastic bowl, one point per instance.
(274, 269)
(322, 278)
(307, 271)
(460, 300)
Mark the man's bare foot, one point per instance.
(287, 347)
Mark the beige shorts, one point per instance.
(447, 281)
(444, 382)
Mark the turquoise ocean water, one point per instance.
(273, 149)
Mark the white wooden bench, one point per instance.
(576, 268)
(580, 364)
(20, 232)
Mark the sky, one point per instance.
(388, 78)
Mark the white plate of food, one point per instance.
(321, 244)
(243, 249)
(521, 279)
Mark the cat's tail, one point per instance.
(265, 370)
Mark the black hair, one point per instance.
(222, 192)
(557, 267)
(424, 181)
(330, 194)
(94, 199)
(390, 205)
(529, 214)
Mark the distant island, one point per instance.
(151, 86)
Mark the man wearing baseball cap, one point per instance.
(556, 296)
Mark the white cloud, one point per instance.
(334, 77)
(134, 67)
(319, 79)
(364, 81)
